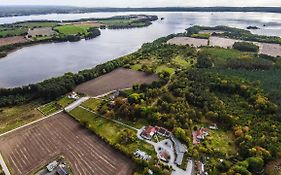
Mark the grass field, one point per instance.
(221, 141)
(115, 21)
(179, 61)
(72, 29)
(65, 101)
(92, 104)
(49, 108)
(5, 32)
(221, 55)
(11, 118)
(136, 67)
(108, 130)
(163, 68)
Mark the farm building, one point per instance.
(73, 95)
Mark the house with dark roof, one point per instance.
(162, 131)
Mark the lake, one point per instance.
(36, 63)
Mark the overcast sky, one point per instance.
(144, 3)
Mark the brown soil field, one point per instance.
(44, 31)
(118, 79)
(12, 40)
(31, 147)
(222, 42)
(270, 49)
(196, 42)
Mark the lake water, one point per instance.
(36, 63)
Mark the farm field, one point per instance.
(11, 118)
(270, 49)
(61, 135)
(12, 40)
(118, 79)
(6, 31)
(197, 42)
(72, 29)
(43, 31)
(265, 48)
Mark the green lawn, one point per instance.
(181, 62)
(108, 130)
(92, 104)
(72, 29)
(136, 67)
(163, 68)
(49, 108)
(221, 55)
(221, 141)
(115, 21)
(13, 117)
(65, 101)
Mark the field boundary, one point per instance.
(31, 123)
(4, 166)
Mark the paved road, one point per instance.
(76, 103)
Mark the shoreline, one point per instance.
(81, 10)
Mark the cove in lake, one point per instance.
(36, 63)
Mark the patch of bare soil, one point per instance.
(12, 40)
(29, 148)
(118, 79)
(196, 42)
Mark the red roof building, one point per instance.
(148, 132)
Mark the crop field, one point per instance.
(196, 42)
(31, 147)
(118, 79)
(270, 49)
(72, 29)
(42, 31)
(222, 42)
(12, 40)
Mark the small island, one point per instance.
(253, 27)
